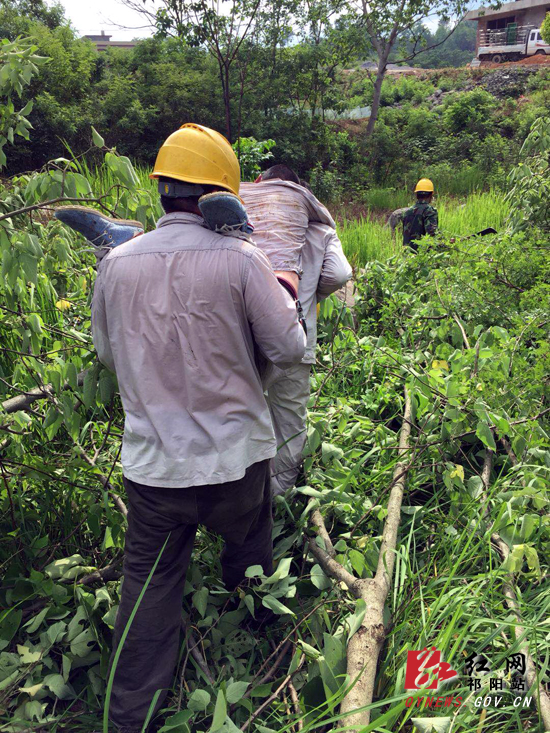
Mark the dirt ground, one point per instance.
(531, 61)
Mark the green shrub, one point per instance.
(469, 112)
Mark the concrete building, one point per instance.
(103, 42)
(510, 22)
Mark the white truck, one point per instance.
(511, 44)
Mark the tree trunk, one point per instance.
(224, 79)
(227, 102)
(380, 74)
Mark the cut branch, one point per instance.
(366, 644)
(25, 400)
(531, 672)
(109, 572)
(511, 599)
(318, 521)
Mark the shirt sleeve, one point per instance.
(100, 332)
(430, 221)
(272, 315)
(336, 270)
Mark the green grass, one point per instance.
(369, 238)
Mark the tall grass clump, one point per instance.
(366, 240)
(370, 238)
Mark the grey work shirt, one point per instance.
(177, 314)
(326, 269)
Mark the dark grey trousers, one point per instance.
(240, 511)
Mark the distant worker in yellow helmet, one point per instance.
(179, 314)
(420, 219)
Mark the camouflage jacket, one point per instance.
(419, 220)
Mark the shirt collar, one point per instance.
(180, 217)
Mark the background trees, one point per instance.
(299, 70)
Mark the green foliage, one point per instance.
(467, 139)
(469, 112)
(252, 154)
(529, 182)
(462, 325)
(545, 28)
(18, 64)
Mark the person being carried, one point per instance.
(177, 314)
(280, 209)
(295, 231)
(420, 219)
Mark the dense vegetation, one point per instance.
(433, 124)
(463, 327)
(458, 331)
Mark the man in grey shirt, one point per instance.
(178, 314)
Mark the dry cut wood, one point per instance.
(366, 644)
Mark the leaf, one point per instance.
(514, 561)
(28, 657)
(56, 684)
(60, 568)
(34, 710)
(35, 622)
(56, 632)
(90, 387)
(110, 617)
(200, 601)
(485, 434)
(32, 690)
(199, 700)
(220, 712)
(97, 140)
(282, 571)
(357, 562)
(431, 725)
(254, 571)
(458, 472)
(71, 375)
(330, 452)
(276, 606)
(532, 558)
(80, 646)
(107, 386)
(249, 603)
(177, 723)
(309, 650)
(35, 324)
(355, 621)
(9, 624)
(29, 265)
(235, 691)
(319, 579)
(229, 726)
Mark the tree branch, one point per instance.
(366, 644)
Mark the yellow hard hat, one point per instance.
(424, 185)
(197, 154)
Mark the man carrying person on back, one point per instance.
(177, 314)
(298, 235)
